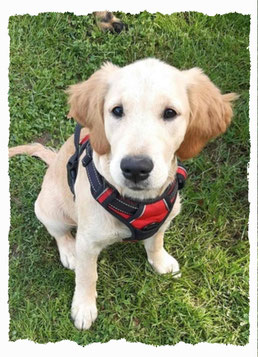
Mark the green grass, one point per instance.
(209, 238)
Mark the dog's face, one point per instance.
(144, 115)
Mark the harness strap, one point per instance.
(73, 163)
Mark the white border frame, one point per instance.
(28, 348)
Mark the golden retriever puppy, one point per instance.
(140, 119)
(107, 21)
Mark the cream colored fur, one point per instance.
(144, 89)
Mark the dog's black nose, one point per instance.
(136, 168)
(118, 26)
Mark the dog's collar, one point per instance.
(143, 218)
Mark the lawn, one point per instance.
(210, 302)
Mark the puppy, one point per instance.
(140, 119)
(107, 21)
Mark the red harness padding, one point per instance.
(152, 213)
(143, 218)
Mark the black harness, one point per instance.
(143, 218)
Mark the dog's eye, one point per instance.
(118, 111)
(169, 113)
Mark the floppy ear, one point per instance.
(210, 113)
(86, 100)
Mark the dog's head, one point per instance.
(145, 114)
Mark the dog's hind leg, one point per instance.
(59, 226)
(53, 200)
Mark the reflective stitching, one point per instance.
(165, 202)
(91, 183)
(126, 204)
(96, 174)
(117, 209)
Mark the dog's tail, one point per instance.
(36, 149)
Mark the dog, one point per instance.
(107, 21)
(140, 119)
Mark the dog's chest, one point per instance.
(99, 223)
(105, 227)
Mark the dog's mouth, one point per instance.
(136, 188)
(139, 191)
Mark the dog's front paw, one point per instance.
(164, 263)
(84, 315)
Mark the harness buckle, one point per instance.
(86, 160)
